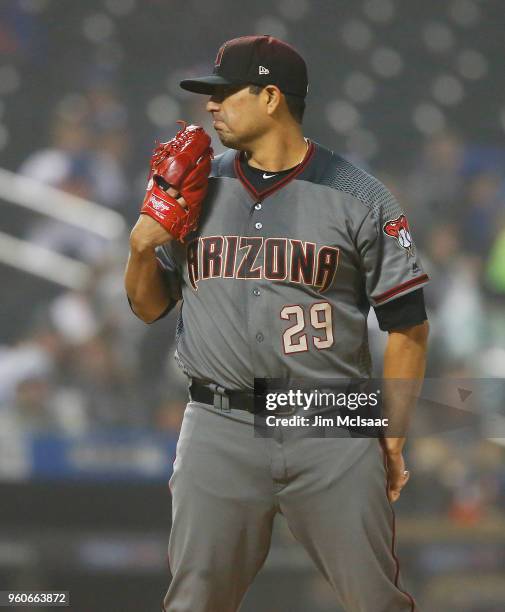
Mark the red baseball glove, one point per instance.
(184, 164)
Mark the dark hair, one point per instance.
(296, 105)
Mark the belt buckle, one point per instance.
(221, 400)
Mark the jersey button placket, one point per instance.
(256, 319)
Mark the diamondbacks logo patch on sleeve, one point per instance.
(399, 230)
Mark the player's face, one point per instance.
(238, 114)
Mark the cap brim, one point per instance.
(204, 85)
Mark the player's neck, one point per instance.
(278, 150)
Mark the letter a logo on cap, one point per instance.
(263, 70)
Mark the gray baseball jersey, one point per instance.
(279, 283)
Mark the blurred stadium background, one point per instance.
(90, 398)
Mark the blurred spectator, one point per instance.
(459, 324)
(66, 239)
(110, 142)
(485, 203)
(33, 406)
(442, 248)
(22, 35)
(70, 140)
(26, 360)
(435, 186)
(495, 271)
(109, 394)
(71, 314)
(86, 154)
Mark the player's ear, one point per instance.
(272, 98)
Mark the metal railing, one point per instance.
(70, 209)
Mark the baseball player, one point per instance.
(276, 259)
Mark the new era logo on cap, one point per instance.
(263, 70)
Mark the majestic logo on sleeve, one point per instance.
(254, 257)
(399, 229)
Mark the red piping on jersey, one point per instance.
(289, 177)
(399, 288)
(393, 538)
(397, 562)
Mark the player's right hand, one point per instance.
(397, 474)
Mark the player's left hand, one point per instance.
(397, 474)
(178, 179)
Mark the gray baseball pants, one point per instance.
(227, 487)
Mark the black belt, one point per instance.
(221, 398)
